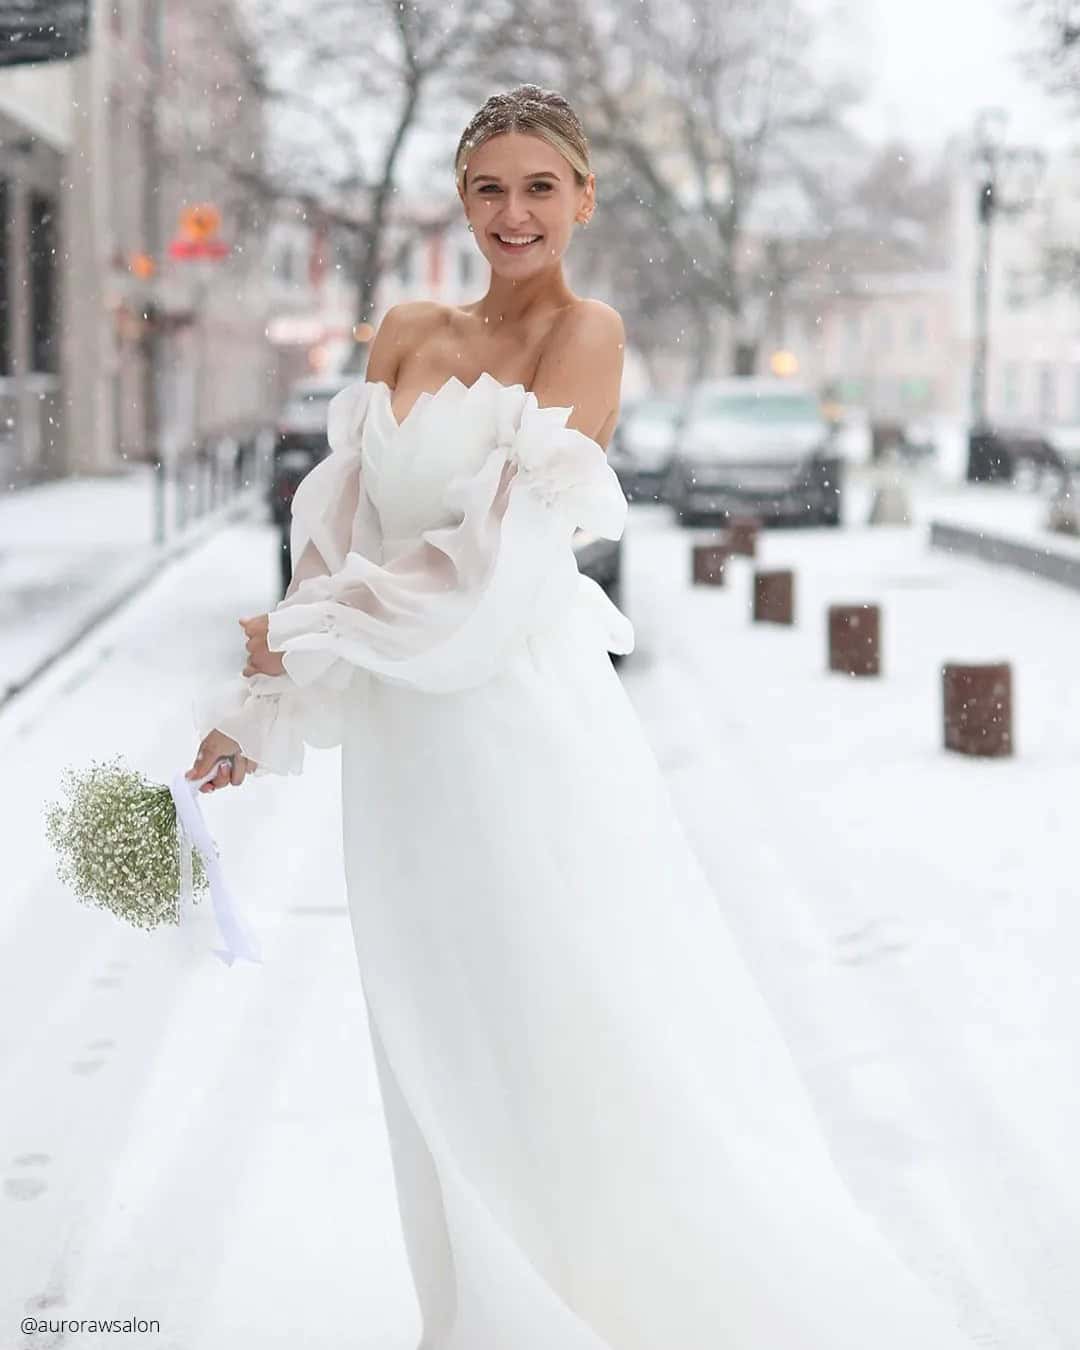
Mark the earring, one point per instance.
(470, 229)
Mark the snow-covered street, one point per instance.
(205, 1145)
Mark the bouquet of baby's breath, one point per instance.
(118, 844)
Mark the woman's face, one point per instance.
(518, 186)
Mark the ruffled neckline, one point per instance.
(426, 396)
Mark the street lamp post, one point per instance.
(1006, 178)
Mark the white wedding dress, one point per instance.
(599, 1139)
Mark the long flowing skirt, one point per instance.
(600, 1140)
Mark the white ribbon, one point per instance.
(193, 831)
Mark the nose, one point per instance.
(516, 212)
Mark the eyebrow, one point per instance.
(490, 178)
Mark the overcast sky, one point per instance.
(930, 64)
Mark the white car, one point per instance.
(756, 446)
(643, 445)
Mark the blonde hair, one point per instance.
(532, 110)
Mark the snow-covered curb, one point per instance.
(1023, 550)
(132, 580)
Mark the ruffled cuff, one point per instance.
(272, 718)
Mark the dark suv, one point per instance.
(299, 443)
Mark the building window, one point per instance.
(1047, 394)
(884, 333)
(43, 333)
(153, 31)
(404, 267)
(1010, 388)
(915, 393)
(465, 267)
(5, 279)
(917, 331)
(853, 332)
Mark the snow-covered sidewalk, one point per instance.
(70, 551)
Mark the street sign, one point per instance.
(186, 249)
(197, 234)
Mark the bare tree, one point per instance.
(1053, 57)
(693, 109)
(348, 83)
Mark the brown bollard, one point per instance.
(978, 708)
(774, 597)
(742, 533)
(709, 560)
(855, 639)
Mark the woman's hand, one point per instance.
(214, 745)
(261, 660)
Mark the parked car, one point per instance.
(756, 446)
(1066, 441)
(1011, 452)
(299, 443)
(643, 445)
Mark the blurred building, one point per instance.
(35, 140)
(310, 299)
(435, 259)
(1034, 321)
(171, 275)
(138, 282)
(898, 340)
(889, 342)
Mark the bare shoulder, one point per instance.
(581, 367)
(402, 329)
(588, 326)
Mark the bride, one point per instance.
(599, 1138)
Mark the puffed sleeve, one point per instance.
(450, 612)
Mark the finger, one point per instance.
(201, 765)
(238, 771)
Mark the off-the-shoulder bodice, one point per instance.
(428, 553)
(410, 466)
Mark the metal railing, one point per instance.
(231, 463)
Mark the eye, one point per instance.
(495, 186)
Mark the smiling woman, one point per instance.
(599, 1138)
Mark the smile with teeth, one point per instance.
(516, 240)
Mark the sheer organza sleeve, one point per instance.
(452, 610)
